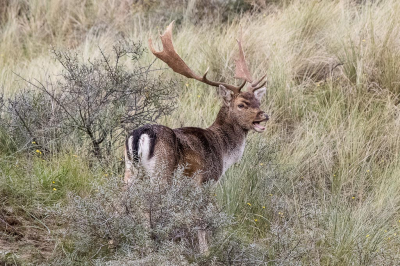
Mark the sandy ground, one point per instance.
(24, 238)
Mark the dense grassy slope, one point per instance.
(321, 185)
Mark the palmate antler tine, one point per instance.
(242, 70)
(259, 87)
(175, 62)
(170, 57)
(255, 85)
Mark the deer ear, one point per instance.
(225, 94)
(260, 93)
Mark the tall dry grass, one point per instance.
(321, 186)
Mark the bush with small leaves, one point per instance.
(150, 221)
(96, 100)
(33, 120)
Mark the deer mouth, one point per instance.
(257, 126)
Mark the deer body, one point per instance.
(205, 153)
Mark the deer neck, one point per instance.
(230, 135)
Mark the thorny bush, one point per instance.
(114, 224)
(95, 101)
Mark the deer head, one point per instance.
(243, 106)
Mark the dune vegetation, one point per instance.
(321, 186)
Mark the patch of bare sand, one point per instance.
(25, 237)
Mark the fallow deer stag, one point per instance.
(207, 152)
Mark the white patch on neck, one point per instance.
(233, 156)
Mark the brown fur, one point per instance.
(203, 151)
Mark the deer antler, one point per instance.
(175, 62)
(255, 85)
(242, 70)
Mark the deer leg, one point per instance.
(202, 233)
(131, 172)
(127, 176)
(128, 169)
(203, 245)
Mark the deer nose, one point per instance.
(263, 115)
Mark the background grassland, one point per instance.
(319, 187)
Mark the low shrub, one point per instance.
(94, 101)
(149, 223)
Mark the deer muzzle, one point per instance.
(261, 117)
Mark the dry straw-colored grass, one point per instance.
(327, 169)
